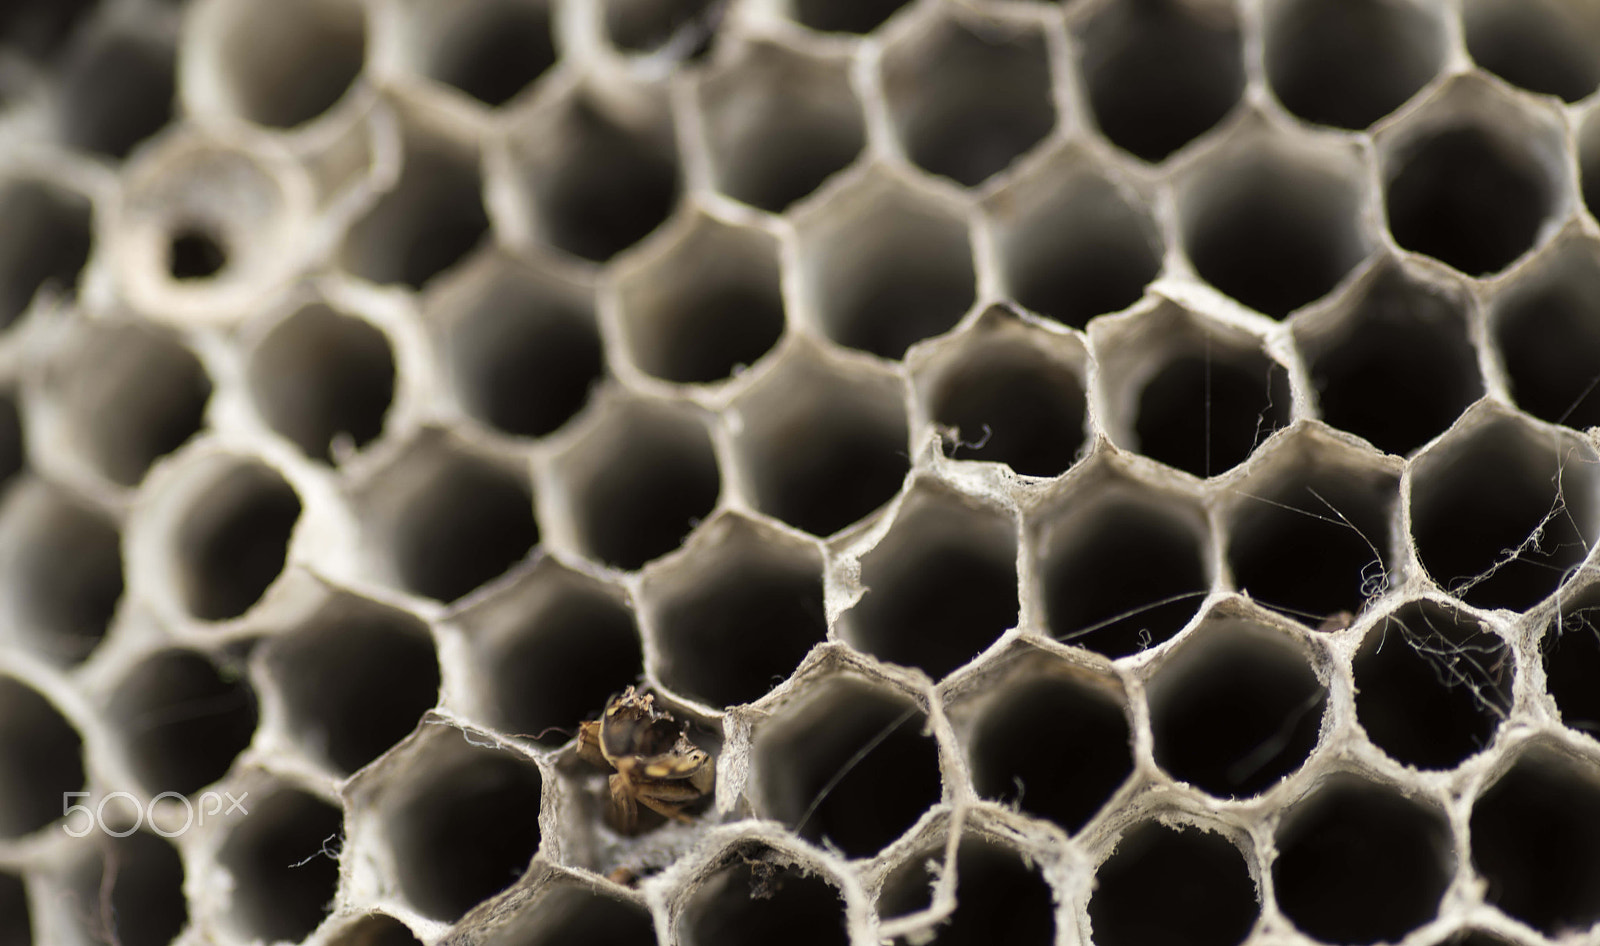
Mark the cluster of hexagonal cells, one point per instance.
(980, 419)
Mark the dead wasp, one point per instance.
(655, 763)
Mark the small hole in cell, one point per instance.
(761, 901)
(569, 915)
(1000, 898)
(845, 16)
(1055, 747)
(490, 49)
(1204, 888)
(1012, 404)
(1348, 63)
(115, 93)
(194, 254)
(16, 925)
(234, 540)
(1206, 412)
(469, 523)
(1550, 340)
(283, 860)
(171, 747)
(130, 891)
(1544, 46)
(44, 245)
(41, 759)
(325, 381)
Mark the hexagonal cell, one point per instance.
(431, 218)
(1160, 73)
(1549, 338)
(551, 651)
(707, 306)
(760, 899)
(283, 861)
(463, 826)
(1570, 650)
(1054, 741)
(849, 766)
(285, 66)
(233, 539)
(1272, 226)
(41, 758)
(170, 746)
(639, 482)
(115, 91)
(43, 245)
(1010, 394)
(446, 522)
(1432, 685)
(737, 614)
(1236, 708)
(355, 678)
(941, 585)
(821, 449)
(375, 929)
(642, 26)
(130, 394)
(1000, 897)
(1348, 63)
(1501, 513)
(1073, 244)
(845, 16)
(1196, 395)
(968, 98)
(1122, 571)
(60, 571)
(489, 49)
(1536, 841)
(885, 266)
(324, 380)
(1546, 46)
(779, 123)
(523, 351)
(1199, 880)
(1473, 185)
(567, 914)
(129, 891)
(16, 926)
(1398, 341)
(598, 182)
(1359, 862)
(1314, 495)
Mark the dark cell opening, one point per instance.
(1571, 653)
(1496, 522)
(1360, 863)
(999, 898)
(1127, 579)
(13, 439)
(1083, 253)
(1159, 75)
(1206, 413)
(432, 218)
(1011, 404)
(525, 360)
(740, 629)
(579, 916)
(817, 785)
(41, 759)
(1536, 840)
(69, 580)
(468, 832)
(760, 901)
(16, 927)
(1545, 47)
(966, 103)
(465, 528)
(1403, 343)
(1236, 709)
(1432, 685)
(1549, 336)
(1274, 236)
(356, 679)
(184, 720)
(1336, 521)
(44, 242)
(845, 16)
(1348, 63)
(233, 542)
(1469, 198)
(1055, 747)
(609, 188)
(195, 254)
(941, 586)
(289, 62)
(648, 488)
(136, 396)
(324, 381)
(644, 25)
(492, 50)
(39, 27)
(376, 929)
(284, 861)
(1173, 886)
(144, 891)
(115, 93)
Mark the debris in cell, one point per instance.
(655, 764)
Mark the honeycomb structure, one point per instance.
(1092, 471)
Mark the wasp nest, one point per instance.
(1099, 471)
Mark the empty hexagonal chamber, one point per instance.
(116, 90)
(45, 243)
(60, 571)
(233, 536)
(375, 929)
(1570, 649)
(1549, 338)
(40, 759)
(1165, 884)
(283, 67)
(1545, 46)
(283, 863)
(129, 891)
(760, 898)
(489, 49)
(1000, 897)
(569, 914)
(171, 747)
